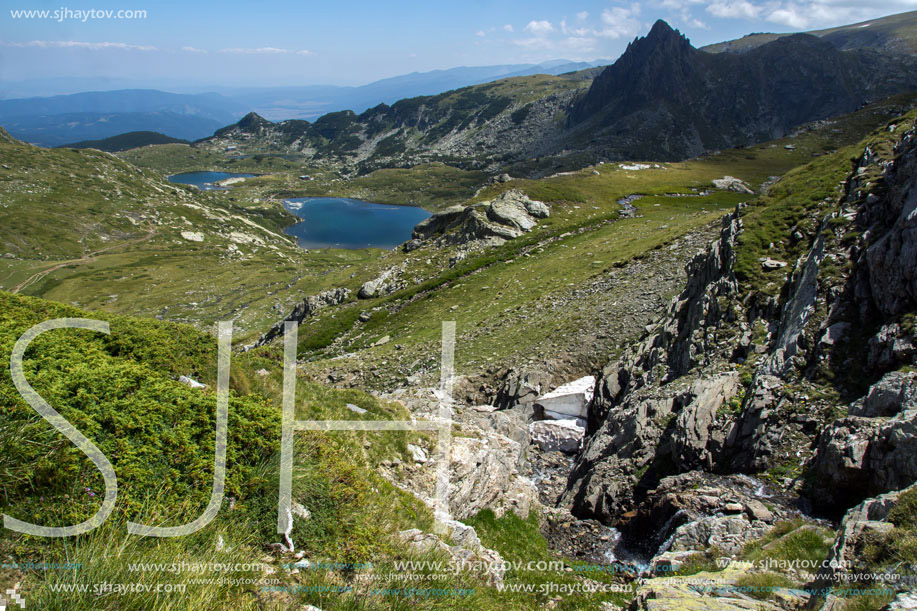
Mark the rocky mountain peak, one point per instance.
(657, 66)
(252, 123)
(661, 31)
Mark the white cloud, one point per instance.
(734, 9)
(508, 28)
(193, 50)
(481, 33)
(582, 15)
(539, 28)
(619, 21)
(789, 16)
(75, 44)
(265, 51)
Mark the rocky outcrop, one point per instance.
(680, 501)
(465, 553)
(848, 563)
(387, 282)
(519, 386)
(486, 474)
(725, 385)
(894, 393)
(731, 183)
(306, 308)
(634, 411)
(507, 216)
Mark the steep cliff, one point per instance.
(809, 387)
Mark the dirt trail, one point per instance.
(87, 258)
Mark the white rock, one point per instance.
(769, 263)
(484, 409)
(731, 183)
(193, 236)
(190, 382)
(418, 453)
(557, 435)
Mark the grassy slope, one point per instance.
(121, 391)
(86, 228)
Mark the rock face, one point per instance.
(895, 392)
(630, 416)
(306, 308)
(486, 474)
(567, 401)
(508, 216)
(860, 455)
(723, 384)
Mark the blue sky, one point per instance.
(280, 42)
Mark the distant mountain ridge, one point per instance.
(662, 100)
(59, 120)
(124, 142)
(62, 119)
(893, 34)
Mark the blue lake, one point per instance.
(204, 180)
(336, 222)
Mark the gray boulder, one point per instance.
(895, 392)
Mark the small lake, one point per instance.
(204, 180)
(337, 222)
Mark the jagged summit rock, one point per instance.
(664, 99)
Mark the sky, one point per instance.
(198, 44)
